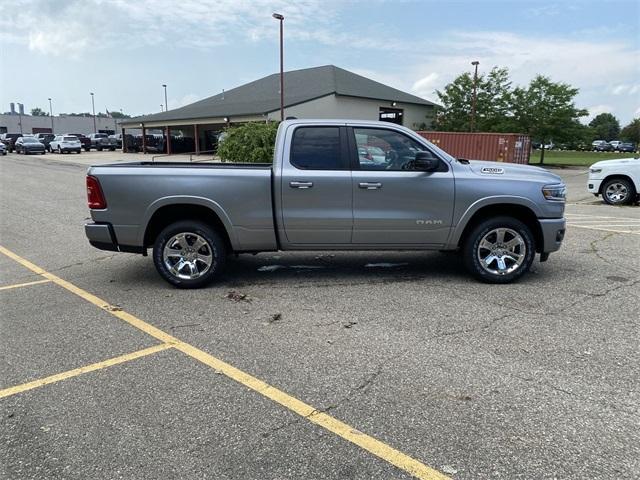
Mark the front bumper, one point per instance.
(593, 185)
(553, 230)
(103, 237)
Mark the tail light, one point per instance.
(95, 198)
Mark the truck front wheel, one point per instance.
(189, 254)
(499, 250)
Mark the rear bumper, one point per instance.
(553, 230)
(103, 237)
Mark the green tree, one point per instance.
(249, 143)
(546, 111)
(605, 127)
(631, 132)
(492, 105)
(38, 112)
(117, 114)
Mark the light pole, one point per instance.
(51, 114)
(280, 18)
(20, 108)
(166, 104)
(93, 105)
(475, 95)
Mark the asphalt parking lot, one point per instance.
(312, 365)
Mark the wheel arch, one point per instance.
(172, 209)
(620, 176)
(520, 211)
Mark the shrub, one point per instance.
(249, 143)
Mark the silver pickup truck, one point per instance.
(333, 185)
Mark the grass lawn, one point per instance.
(574, 158)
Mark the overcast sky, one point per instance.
(124, 50)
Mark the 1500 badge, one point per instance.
(492, 170)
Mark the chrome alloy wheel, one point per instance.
(187, 256)
(501, 251)
(617, 192)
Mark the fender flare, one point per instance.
(189, 200)
(506, 200)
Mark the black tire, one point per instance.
(471, 250)
(87, 149)
(214, 244)
(624, 194)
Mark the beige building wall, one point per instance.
(338, 106)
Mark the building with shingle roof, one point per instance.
(319, 92)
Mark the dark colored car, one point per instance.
(627, 147)
(9, 139)
(45, 139)
(601, 146)
(84, 140)
(29, 145)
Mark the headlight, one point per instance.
(594, 170)
(556, 193)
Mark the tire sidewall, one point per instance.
(471, 247)
(214, 240)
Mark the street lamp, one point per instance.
(51, 114)
(166, 104)
(20, 108)
(280, 18)
(475, 95)
(93, 106)
(161, 109)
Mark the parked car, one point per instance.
(116, 140)
(618, 181)
(627, 147)
(29, 145)
(45, 139)
(65, 143)
(9, 139)
(615, 144)
(84, 140)
(601, 146)
(317, 195)
(3, 149)
(100, 141)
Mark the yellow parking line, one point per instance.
(18, 285)
(79, 371)
(346, 432)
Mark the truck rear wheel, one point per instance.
(499, 250)
(189, 254)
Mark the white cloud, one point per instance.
(596, 110)
(626, 89)
(426, 85)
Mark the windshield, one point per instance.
(29, 140)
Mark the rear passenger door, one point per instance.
(316, 202)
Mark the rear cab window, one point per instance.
(318, 148)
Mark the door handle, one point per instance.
(301, 184)
(370, 186)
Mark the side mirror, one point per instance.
(426, 162)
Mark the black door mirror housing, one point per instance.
(426, 162)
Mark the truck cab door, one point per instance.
(316, 198)
(393, 203)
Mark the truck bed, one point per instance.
(239, 193)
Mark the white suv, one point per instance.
(65, 143)
(618, 181)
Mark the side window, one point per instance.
(316, 148)
(381, 149)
